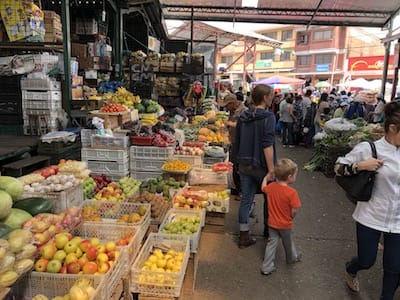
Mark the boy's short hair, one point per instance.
(285, 167)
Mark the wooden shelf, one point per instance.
(31, 46)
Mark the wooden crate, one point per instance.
(111, 120)
(215, 222)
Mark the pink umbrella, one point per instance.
(279, 80)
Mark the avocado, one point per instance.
(160, 188)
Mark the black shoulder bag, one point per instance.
(358, 187)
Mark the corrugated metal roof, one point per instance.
(368, 13)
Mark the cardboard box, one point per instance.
(91, 74)
(95, 63)
(77, 80)
(86, 26)
(79, 50)
(77, 93)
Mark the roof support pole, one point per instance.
(118, 27)
(396, 75)
(249, 47)
(65, 18)
(386, 60)
(191, 31)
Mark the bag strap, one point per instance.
(373, 149)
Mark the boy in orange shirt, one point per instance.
(283, 202)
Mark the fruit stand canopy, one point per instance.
(367, 13)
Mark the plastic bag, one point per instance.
(338, 125)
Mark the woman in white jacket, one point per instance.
(381, 214)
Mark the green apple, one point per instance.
(95, 241)
(70, 247)
(53, 266)
(60, 255)
(61, 240)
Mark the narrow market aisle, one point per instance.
(324, 233)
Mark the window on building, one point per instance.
(267, 55)
(285, 56)
(227, 60)
(323, 59)
(302, 38)
(287, 35)
(304, 60)
(322, 35)
(272, 35)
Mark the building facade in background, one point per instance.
(319, 53)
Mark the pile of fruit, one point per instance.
(46, 172)
(89, 186)
(149, 119)
(159, 185)
(163, 139)
(158, 203)
(44, 225)
(96, 211)
(186, 150)
(113, 108)
(193, 200)
(75, 255)
(112, 192)
(122, 96)
(129, 186)
(182, 225)
(162, 262)
(16, 256)
(176, 166)
(212, 133)
(53, 183)
(82, 289)
(101, 181)
(148, 106)
(73, 167)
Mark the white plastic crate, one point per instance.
(104, 154)
(109, 142)
(40, 84)
(41, 95)
(108, 167)
(50, 113)
(86, 135)
(61, 200)
(146, 165)
(58, 284)
(141, 176)
(207, 176)
(41, 104)
(175, 214)
(193, 160)
(110, 212)
(172, 284)
(28, 131)
(149, 152)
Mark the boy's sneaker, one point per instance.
(352, 282)
(297, 259)
(268, 273)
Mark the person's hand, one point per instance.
(230, 123)
(371, 164)
(270, 176)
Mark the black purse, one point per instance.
(358, 187)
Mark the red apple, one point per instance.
(41, 265)
(91, 253)
(111, 255)
(73, 268)
(48, 251)
(63, 270)
(90, 268)
(83, 260)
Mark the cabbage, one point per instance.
(12, 186)
(16, 217)
(5, 204)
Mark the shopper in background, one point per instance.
(306, 103)
(239, 94)
(235, 107)
(321, 111)
(356, 109)
(341, 110)
(283, 203)
(381, 214)
(376, 116)
(287, 118)
(255, 154)
(222, 93)
(298, 125)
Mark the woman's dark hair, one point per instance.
(324, 97)
(289, 100)
(258, 93)
(392, 115)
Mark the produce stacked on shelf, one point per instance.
(176, 166)
(113, 108)
(148, 106)
(215, 198)
(123, 97)
(161, 186)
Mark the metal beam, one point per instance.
(118, 42)
(65, 18)
(314, 14)
(113, 5)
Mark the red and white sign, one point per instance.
(370, 63)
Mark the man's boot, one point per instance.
(245, 240)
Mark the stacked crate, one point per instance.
(114, 163)
(146, 161)
(53, 27)
(41, 105)
(10, 106)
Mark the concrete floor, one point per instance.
(324, 232)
